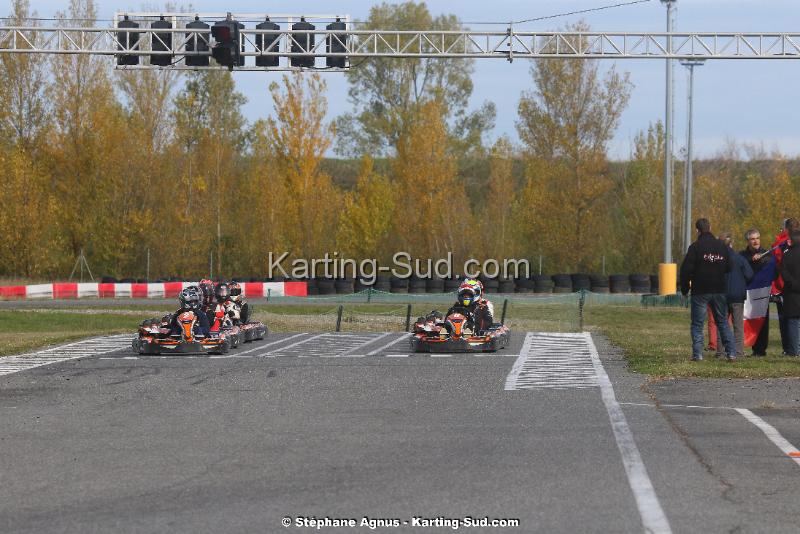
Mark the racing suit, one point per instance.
(480, 314)
(202, 322)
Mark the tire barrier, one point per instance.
(562, 283)
(580, 281)
(619, 283)
(434, 285)
(640, 283)
(398, 285)
(598, 283)
(542, 283)
(506, 285)
(523, 285)
(344, 286)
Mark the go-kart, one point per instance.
(456, 333)
(253, 330)
(156, 337)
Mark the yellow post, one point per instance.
(667, 278)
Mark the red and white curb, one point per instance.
(141, 291)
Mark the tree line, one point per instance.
(145, 167)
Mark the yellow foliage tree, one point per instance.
(297, 139)
(368, 215)
(436, 217)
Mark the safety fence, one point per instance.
(373, 310)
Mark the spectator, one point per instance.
(778, 248)
(703, 271)
(758, 258)
(790, 272)
(736, 280)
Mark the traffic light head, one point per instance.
(226, 50)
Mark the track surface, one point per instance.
(351, 425)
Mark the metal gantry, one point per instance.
(509, 44)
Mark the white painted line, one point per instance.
(397, 355)
(265, 345)
(511, 379)
(368, 342)
(773, 435)
(651, 405)
(403, 336)
(653, 518)
(281, 349)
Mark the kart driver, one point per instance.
(238, 300)
(189, 299)
(479, 311)
(224, 308)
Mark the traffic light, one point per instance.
(302, 43)
(335, 44)
(263, 42)
(127, 41)
(226, 49)
(161, 42)
(197, 42)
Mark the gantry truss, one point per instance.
(506, 44)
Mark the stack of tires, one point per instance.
(311, 287)
(490, 285)
(451, 284)
(562, 283)
(326, 286)
(542, 283)
(640, 283)
(434, 285)
(382, 283)
(344, 286)
(619, 283)
(506, 285)
(598, 283)
(523, 285)
(654, 285)
(398, 285)
(416, 285)
(581, 281)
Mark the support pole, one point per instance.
(503, 316)
(339, 318)
(408, 318)
(687, 201)
(666, 284)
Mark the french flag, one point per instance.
(757, 303)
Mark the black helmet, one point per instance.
(236, 291)
(466, 296)
(222, 292)
(189, 298)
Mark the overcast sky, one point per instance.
(754, 101)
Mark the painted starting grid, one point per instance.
(70, 351)
(553, 361)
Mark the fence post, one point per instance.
(408, 318)
(339, 318)
(369, 294)
(505, 306)
(269, 292)
(581, 304)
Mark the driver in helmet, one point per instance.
(190, 300)
(479, 311)
(207, 294)
(239, 301)
(224, 308)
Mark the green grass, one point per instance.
(655, 341)
(24, 330)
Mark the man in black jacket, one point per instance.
(703, 271)
(790, 272)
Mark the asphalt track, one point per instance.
(352, 426)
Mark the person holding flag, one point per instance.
(756, 307)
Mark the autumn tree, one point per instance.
(296, 139)
(566, 123)
(367, 217)
(498, 200)
(437, 216)
(23, 104)
(385, 92)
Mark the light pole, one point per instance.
(687, 201)
(668, 272)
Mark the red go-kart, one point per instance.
(456, 333)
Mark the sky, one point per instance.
(746, 101)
